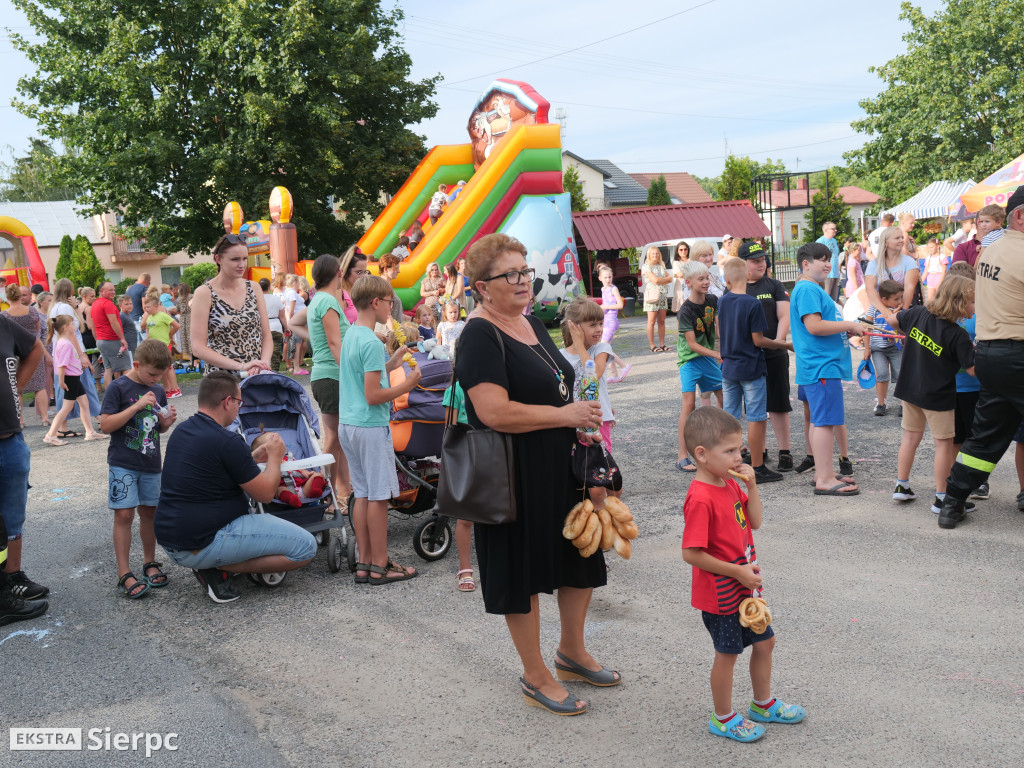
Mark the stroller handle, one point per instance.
(320, 460)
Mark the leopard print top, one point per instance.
(235, 333)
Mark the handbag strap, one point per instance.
(449, 416)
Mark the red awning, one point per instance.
(634, 227)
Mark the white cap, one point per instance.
(726, 237)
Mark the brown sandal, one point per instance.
(391, 567)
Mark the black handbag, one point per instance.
(594, 467)
(477, 477)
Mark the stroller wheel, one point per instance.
(270, 579)
(351, 506)
(323, 538)
(335, 552)
(433, 539)
(351, 554)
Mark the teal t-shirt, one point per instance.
(324, 366)
(361, 353)
(455, 398)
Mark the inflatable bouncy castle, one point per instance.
(507, 179)
(19, 255)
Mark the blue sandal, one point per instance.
(566, 707)
(737, 728)
(686, 465)
(778, 712)
(567, 669)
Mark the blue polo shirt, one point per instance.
(200, 490)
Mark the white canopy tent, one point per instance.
(934, 200)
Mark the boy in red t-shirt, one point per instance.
(718, 542)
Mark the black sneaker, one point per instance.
(903, 493)
(806, 464)
(952, 512)
(24, 588)
(899, 410)
(785, 462)
(937, 506)
(981, 492)
(745, 456)
(880, 409)
(218, 585)
(845, 466)
(1020, 501)
(764, 475)
(15, 609)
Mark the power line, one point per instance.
(591, 44)
(716, 157)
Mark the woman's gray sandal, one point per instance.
(567, 669)
(567, 707)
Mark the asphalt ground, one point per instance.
(900, 639)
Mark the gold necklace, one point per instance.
(563, 389)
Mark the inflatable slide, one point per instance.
(513, 173)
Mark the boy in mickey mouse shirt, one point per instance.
(131, 416)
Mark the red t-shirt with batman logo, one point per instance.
(716, 521)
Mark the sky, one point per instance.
(652, 85)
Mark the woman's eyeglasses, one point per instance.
(515, 277)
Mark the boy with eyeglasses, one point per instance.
(364, 431)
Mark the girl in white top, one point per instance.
(449, 329)
(293, 302)
(680, 291)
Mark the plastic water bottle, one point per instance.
(589, 386)
(164, 411)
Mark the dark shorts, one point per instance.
(777, 381)
(325, 392)
(75, 389)
(728, 636)
(963, 415)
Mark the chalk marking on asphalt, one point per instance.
(36, 634)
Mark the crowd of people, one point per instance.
(737, 326)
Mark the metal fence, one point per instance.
(784, 266)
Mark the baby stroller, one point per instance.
(417, 427)
(276, 403)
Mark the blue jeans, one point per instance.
(89, 385)
(753, 394)
(247, 537)
(14, 463)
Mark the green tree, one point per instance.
(709, 184)
(737, 180)
(63, 268)
(831, 208)
(657, 193)
(86, 270)
(171, 110)
(572, 184)
(197, 274)
(26, 179)
(953, 103)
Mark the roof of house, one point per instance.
(634, 227)
(587, 163)
(619, 187)
(682, 187)
(798, 198)
(52, 220)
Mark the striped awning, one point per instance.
(934, 200)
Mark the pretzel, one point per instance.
(737, 475)
(607, 529)
(754, 614)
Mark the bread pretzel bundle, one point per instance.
(608, 528)
(754, 614)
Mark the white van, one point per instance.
(668, 251)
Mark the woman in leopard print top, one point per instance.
(230, 330)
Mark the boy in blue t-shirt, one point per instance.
(742, 327)
(819, 347)
(131, 415)
(364, 431)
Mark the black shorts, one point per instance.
(777, 383)
(963, 415)
(728, 635)
(325, 392)
(75, 389)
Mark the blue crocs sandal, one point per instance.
(737, 728)
(777, 713)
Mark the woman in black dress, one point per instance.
(529, 395)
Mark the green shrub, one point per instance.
(124, 285)
(86, 270)
(197, 274)
(63, 268)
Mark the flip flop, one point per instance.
(834, 490)
(686, 465)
